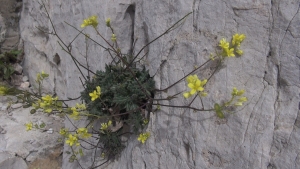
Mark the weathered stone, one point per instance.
(17, 105)
(16, 79)
(13, 163)
(263, 134)
(18, 69)
(51, 160)
(5, 155)
(28, 145)
(4, 107)
(2, 29)
(9, 35)
(25, 85)
(25, 79)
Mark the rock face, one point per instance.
(9, 25)
(19, 147)
(264, 134)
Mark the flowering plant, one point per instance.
(122, 96)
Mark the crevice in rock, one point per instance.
(131, 12)
(195, 14)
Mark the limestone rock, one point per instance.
(2, 29)
(13, 163)
(17, 105)
(18, 68)
(25, 85)
(263, 134)
(29, 145)
(16, 79)
(9, 35)
(25, 79)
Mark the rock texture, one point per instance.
(9, 25)
(264, 134)
(21, 149)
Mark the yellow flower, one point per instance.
(237, 39)
(104, 126)
(239, 52)
(145, 121)
(80, 106)
(211, 56)
(103, 155)
(49, 110)
(75, 114)
(3, 90)
(91, 21)
(243, 99)
(236, 92)
(72, 140)
(107, 22)
(195, 84)
(187, 95)
(203, 94)
(238, 103)
(113, 37)
(28, 126)
(41, 76)
(96, 93)
(224, 44)
(229, 52)
(63, 131)
(143, 137)
(44, 75)
(83, 133)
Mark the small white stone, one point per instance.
(18, 68)
(25, 85)
(3, 108)
(15, 106)
(25, 79)
(50, 131)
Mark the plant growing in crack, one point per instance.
(122, 96)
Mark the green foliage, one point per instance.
(121, 91)
(112, 144)
(7, 59)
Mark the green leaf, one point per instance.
(80, 152)
(42, 125)
(32, 111)
(218, 110)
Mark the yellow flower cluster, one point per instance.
(41, 76)
(196, 85)
(95, 94)
(104, 126)
(239, 93)
(113, 38)
(91, 21)
(72, 139)
(75, 111)
(63, 132)
(107, 22)
(83, 133)
(3, 90)
(229, 50)
(29, 126)
(143, 137)
(48, 104)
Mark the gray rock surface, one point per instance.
(264, 134)
(13, 163)
(18, 68)
(9, 25)
(17, 144)
(2, 29)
